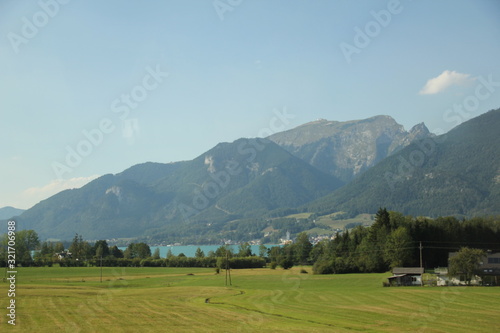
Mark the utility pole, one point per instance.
(420, 247)
(101, 268)
(228, 269)
(421, 277)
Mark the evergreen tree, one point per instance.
(398, 248)
(156, 254)
(79, 248)
(99, 252)
(199, 253)
(104, 252)
(116, 252)
(302, 248)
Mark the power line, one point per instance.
(458, 242)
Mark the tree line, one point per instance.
(82, 253)
(393, 240)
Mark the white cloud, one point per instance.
(443, 81)
(130, 130)
(34, 195)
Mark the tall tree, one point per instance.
(398, 248)
(302, 248)
(222, 250)
(262, 250)
(199, 253)
(382, 219)
(465, 263)
(77, 248)
(381, 227)
(99, 252)
(104, 248)
(116, 252)
(286, 257)
(156, 254)
(26, 241)
(59, 247)
(47, 248)
(244, 250)
(137, 250)
(370, 258)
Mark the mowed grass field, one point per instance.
(259, 300)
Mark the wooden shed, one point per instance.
(406, 276)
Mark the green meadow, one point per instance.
(196, 300)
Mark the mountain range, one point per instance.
(232, 180)
(321, 167)
(347, 149)
(457, 173)
(8, 212)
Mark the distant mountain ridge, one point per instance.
(8, 212)
(234, 188)
(244, 178)
(346, 149)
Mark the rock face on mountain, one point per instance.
(457, 173)
(347, 149)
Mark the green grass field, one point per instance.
(172, 300)
(364, 219)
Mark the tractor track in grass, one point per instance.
(209, 301)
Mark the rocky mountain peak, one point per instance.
(346, 149)
(419, 130)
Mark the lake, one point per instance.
(190, 250)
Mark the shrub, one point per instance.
(323, 266)
(247, 262)
(286, 263)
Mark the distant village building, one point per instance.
(286, 240)
(406, 276)
(487, 273)
(489, 270)
(63, 255)
(442, 278)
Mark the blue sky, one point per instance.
(124, 82)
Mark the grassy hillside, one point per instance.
(169, 299)
(335, 221)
